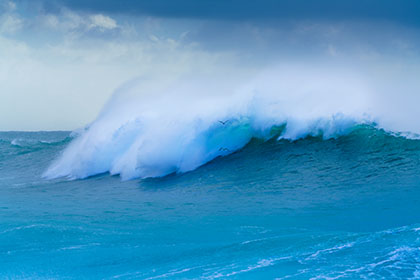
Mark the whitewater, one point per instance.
(154, 127)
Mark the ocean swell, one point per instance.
(150, 130)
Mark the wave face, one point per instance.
(151, 129)
(135, 151)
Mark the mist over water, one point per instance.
(153, 127)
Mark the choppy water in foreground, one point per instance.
(341, 208)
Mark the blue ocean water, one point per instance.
(314, 208)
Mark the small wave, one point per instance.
(28, 143)
(23, 228)
(22, 142)
(170, 274)
(77, 247)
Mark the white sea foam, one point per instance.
(153, 128)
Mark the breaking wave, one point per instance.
(153, 128)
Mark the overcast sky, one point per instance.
(61, 60)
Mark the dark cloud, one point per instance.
(406, 11)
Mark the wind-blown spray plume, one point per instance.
(151, 129)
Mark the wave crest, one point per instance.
(150, 130)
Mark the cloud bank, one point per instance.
(60, 61)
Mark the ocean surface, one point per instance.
(342, 207)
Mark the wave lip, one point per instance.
(177, 128)
(134, 150)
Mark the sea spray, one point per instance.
(150, 130)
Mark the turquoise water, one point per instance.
(345, 208)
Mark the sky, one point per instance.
(61, 60)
